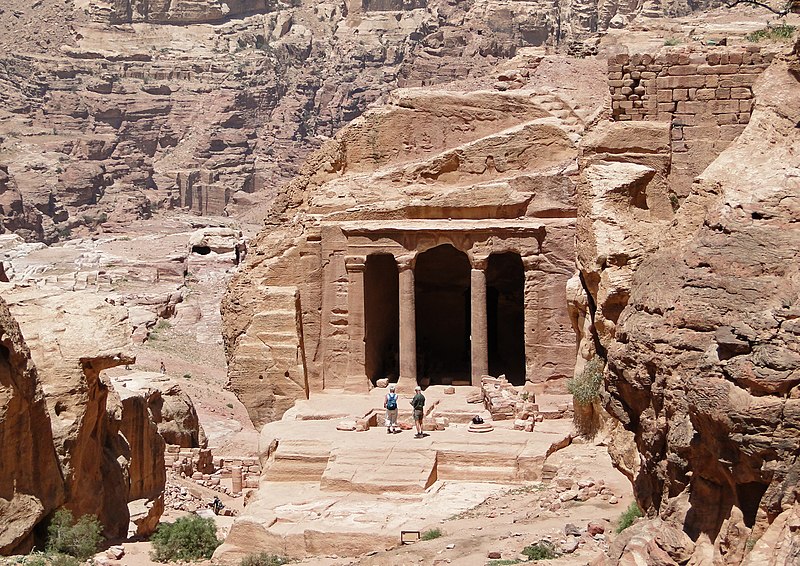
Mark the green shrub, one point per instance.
(264, 559)
(585, 388)
(504, 562)
(63, 560)
(781, 32)
(670, 41)
(188, 538)
(542, 550)
(76, 538)
(431, 534)
(628, 517)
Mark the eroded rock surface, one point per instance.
(113, 110)
(31, 485)
(704, 356)
(108, 451)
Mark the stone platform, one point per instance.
(327, 491)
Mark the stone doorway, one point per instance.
(442, 292)
(382, 318)
(505, 310)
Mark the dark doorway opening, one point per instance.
(382, 318)
(442, 290)
(505, 309)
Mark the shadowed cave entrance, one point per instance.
(442, 290)
(505, 310)
(382, 318)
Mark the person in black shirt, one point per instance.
(418, 402)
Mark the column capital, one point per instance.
(531, 262)
(406, 261)
(479, 263)
(355, 263)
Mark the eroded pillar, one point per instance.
(408, 327)
(356, 380)
(479, 331)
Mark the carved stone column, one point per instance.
(408, 326)
(534, 287)
(356, 379)
(479, 331)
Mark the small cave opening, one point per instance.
(749, 496)
(201, 250)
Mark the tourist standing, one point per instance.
(390, 404)
(418, 402)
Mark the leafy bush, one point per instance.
(504, 562)
(670, 41)
(431, 534)
(628, 517)
(542, 550)
(781, 32)
(585, 388)
(188, 538)
(76, 538)
(264, 559)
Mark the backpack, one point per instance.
(477, 419)
(391, 401)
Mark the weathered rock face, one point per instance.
(109, 115)
(31, 485)
(704, 360)
(176, 12)
(169, 408)
(108, 451)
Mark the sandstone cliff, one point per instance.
(31, 485)
(701, 341)
(79, 445)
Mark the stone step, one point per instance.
(297, 460)
(399, 470)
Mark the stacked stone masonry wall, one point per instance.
(706, 95)
(199, 464)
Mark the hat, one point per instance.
(391, 386)
(418, 388)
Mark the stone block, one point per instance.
(687, 81)
(666, 106)
(741, 93)
(705, 94)
(680, 70)
(723, 93)
(727, 119)
(679, 94)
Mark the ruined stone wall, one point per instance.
(707, 96)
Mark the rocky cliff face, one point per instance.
(704, 355)
(31, 485)
(107, 114)
(77, 444)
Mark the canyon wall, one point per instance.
(113, 109)
(76, 443)
(699, 329)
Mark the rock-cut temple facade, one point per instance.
(429, 243)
